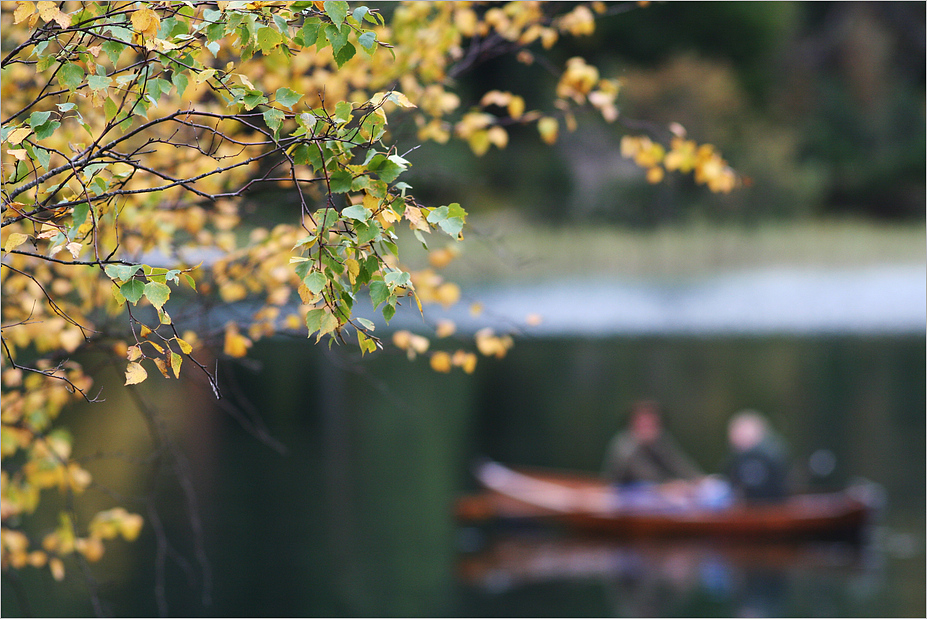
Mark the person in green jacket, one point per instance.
(645, 453)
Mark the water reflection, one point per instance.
(356, 518)
(673, 578)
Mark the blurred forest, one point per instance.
(819, 105)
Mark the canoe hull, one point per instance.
(841, 515)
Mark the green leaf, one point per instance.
(366, 323)
(338, 11)
(368, 41)
(132, 290)
(344, 54)
(343, 111)
(454, 221)
(357, 212)
(180, 82)
(156, 274)
(121, 33)
(37, 119)
(309, 33)
(268, 39)
(336, 37)
(340, 181)
(42, 156)
(253, 99)
(328, 324)
(122, 272)
(79, 216)
(300, 154)
(389, 171)
(71, 75)
(46, 130)
(99, 82)
(286, 97)
(110, 109)
(157, 293)
(365, 343)
(359, 13)
(389, 311)
(273, 118)
(113, 49)
(314, 319)
(396, 278)
(367, 231)
(315, 282)
(379, 292)
(45, 62)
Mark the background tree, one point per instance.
(136, 138)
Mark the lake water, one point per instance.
(355, 518)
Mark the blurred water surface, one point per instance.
(355, 518)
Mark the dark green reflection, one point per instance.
(355, 518)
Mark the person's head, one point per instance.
(746, 430)
(646, 421)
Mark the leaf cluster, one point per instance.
(135, 137)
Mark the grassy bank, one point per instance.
(504, 248)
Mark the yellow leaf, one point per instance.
(162, 366)
(47, 10)
(15, 209)
(135, 373)
(18, 135)
(496, 97)
(233, 291)
(131, 526)
(416, 219)
(15, 240)
(353, 267)
(418, 343)
(245, 81)
(489, 344)
(23, 10)
(18, 153)
(90, 547)
(401, 339)
(145, 331)
(184, 346)
(134, 353)
(479, 142)
(55, 564)
(465, 360)
(447, 294)
(236, 344)
(176, 360)
(516, 107)
(441, 362)
(74, 248)
(146, 22)
(498, 136)
(548, 128)
(440, 258)
(445, 328)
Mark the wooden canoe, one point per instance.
(585, 503)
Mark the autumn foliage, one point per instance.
(133, 134)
